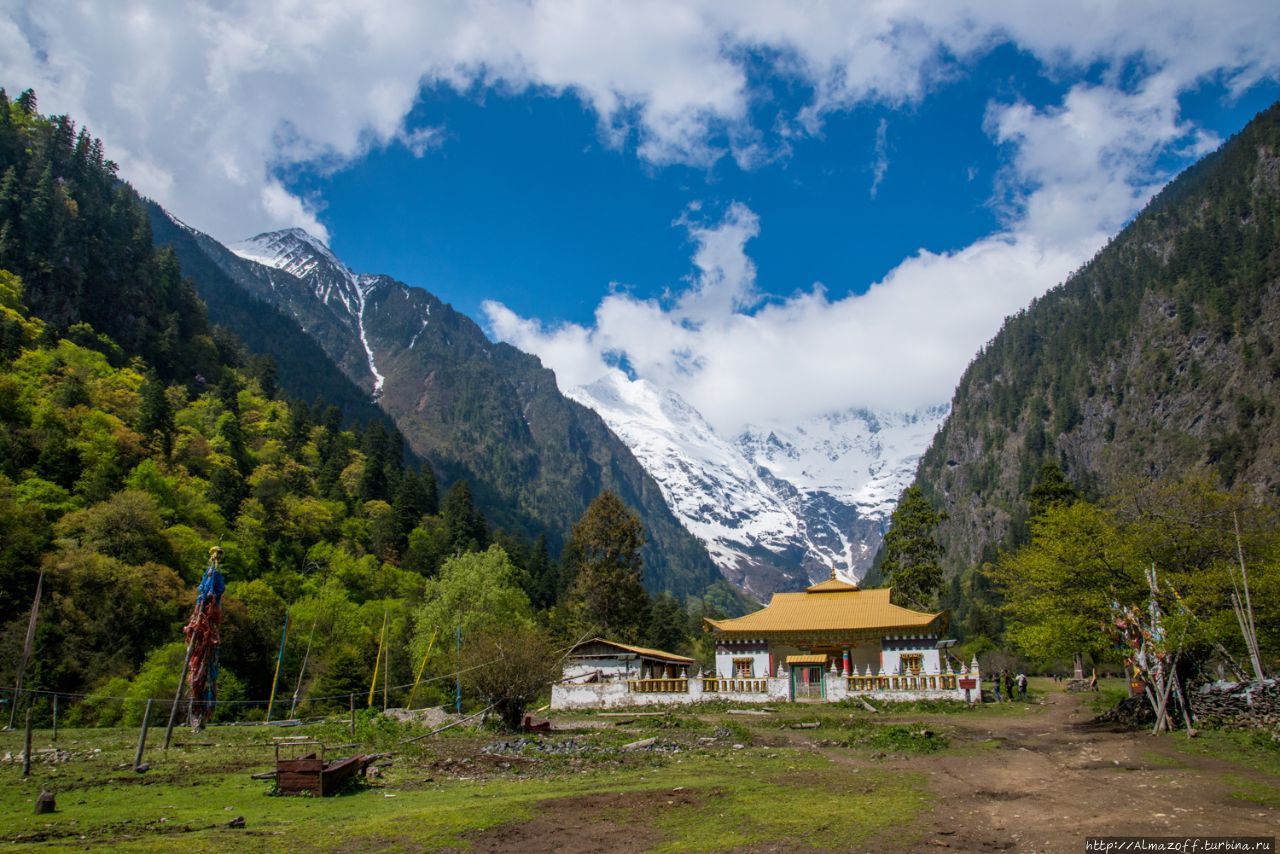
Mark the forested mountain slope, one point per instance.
(123, 461)
(1161, 353)
(303, 369)
(479, 411)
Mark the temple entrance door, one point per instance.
(806, 682)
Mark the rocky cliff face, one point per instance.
(1161, 354)
(475, 409)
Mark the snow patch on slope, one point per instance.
(776, 507)
(308, 259)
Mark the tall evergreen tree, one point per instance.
(155, 416)
(1052, 489)
(415, 497)
(603, 553)
(465, 524)
(911, 551)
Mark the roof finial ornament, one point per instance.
(833, 572)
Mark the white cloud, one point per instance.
(881, 165)
(201, 101)
(1076, 172)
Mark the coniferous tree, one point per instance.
(155, 416)
(603, 553)
(667, 629)
(1052, 489)
(465, 524)
(911, 551)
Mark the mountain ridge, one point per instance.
(479, 411)
(779, 507)
(1160, 355)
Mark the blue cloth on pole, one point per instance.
(213, 584)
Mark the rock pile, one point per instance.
(1129, 712)
(1254, 705)
(570, 747)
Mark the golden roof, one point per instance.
(832, 606)
(806, 659)
(639, 650)
(831, 585)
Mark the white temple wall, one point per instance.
(609, 668)
(896, 648)
(758, 653)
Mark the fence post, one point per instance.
(177, 697)
(353, 715)
(55, 717)
(26, 754)
(142, 736)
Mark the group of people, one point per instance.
(1010, 683)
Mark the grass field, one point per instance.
(729, 772)
(712, 781)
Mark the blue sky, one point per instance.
(772, 211)
(521, 202)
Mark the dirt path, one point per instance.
(1055, 781)
(1042, 781)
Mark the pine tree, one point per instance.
(464, 523)
(603, 552)
(911, 551)
(155, 416)
(668, 623)
(415, 497)
(1052, 489)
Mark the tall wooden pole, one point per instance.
(423, 666)
(177, 697)
(297, 689)
(142, 736)
(26, 649)
(1250, 631)
(26, 753)
(55, 718)
(275, 679)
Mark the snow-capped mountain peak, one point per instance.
(307, 259)
(777, 507)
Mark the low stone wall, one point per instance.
(1238, 704)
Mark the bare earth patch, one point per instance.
(611, 821)
(1056, 779)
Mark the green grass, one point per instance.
(1252, 791)
(425, 800)
(765, 806)
(1255, 749)
(893, 738)
(1110, 691)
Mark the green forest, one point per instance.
(135, 436)
(1124, 420)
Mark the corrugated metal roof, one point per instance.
(827, 610)
(640, 650)
(806, 659)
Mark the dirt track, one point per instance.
(1055, 781)
(1049, 781)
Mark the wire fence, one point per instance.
(84, 708)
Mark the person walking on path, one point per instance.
(1008, 686)
(1022, 686)
(995, 684)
